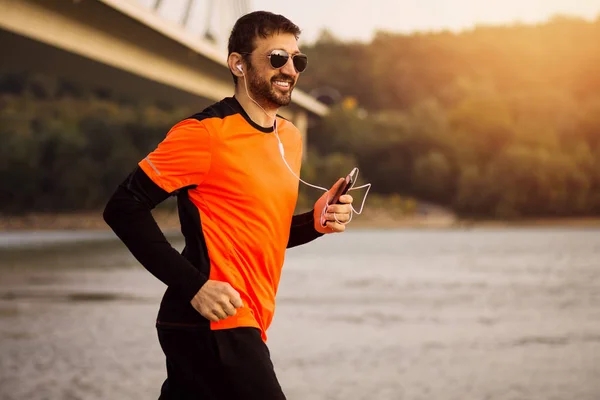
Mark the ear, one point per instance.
(236, 63)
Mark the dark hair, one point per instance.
(258, 23)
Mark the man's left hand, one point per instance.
(341, 212)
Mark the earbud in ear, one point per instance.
(239, 66)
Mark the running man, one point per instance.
(233, 168)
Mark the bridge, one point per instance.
(134, 47)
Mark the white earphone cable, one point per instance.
(282, 152)
(368, 185)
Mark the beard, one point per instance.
(266, 94)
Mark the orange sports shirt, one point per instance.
(236, 201)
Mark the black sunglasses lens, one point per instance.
(278, 60)
(300, 62)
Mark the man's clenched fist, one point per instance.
(216, 300)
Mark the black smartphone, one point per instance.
(342, 190)
(344, 187)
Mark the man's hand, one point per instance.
(216, 300)
(341, 212)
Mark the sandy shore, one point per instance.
(376, 219)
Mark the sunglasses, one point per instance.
(278, 58)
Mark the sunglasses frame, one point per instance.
(283, 53)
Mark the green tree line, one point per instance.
(492, 122)
(66, 148)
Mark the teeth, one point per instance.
(282, 83)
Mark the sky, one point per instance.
(358, 20)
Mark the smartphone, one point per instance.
(342, 190)
(344, 187)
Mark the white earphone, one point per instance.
(239, 66)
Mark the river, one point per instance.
(491, 314)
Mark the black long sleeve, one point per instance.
(302, 230)
(128, 213)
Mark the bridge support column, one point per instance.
(300, 120)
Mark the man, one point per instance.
(236, 198)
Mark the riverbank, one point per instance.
(375, 219)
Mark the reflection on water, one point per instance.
(38, 239)
(480, 314)
(74, 296)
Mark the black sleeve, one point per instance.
(302, 230)
(128, 213)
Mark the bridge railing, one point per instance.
(210, 20)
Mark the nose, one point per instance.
(289, 69)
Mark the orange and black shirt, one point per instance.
(236, 199)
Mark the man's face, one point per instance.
(269, 86)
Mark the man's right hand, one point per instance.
(216, 300)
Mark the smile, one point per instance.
(282, 84)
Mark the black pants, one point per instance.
(231, 364)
